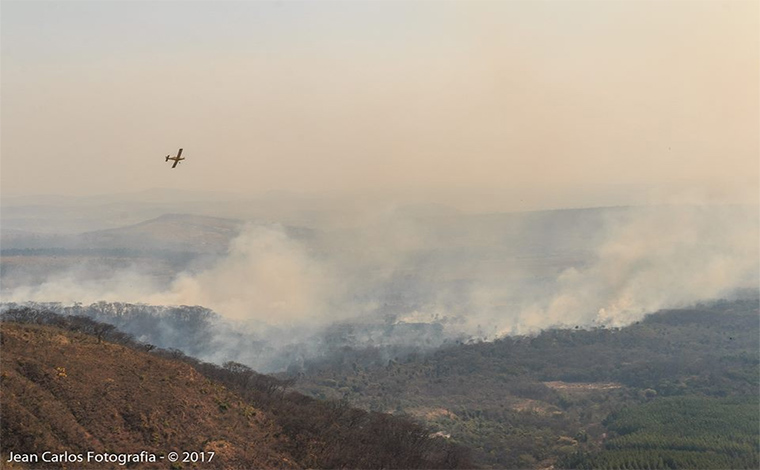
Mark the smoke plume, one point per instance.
(481, 275)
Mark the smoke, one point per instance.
(79, 285)
(653, 258)
(265, 276)
(480, 275)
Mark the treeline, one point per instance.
(75, 323)
(320, 434)
(193, 329)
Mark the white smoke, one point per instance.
(264, 277)
(653, 259)
(78, 285)
(644, 259)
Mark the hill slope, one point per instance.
(64, 391)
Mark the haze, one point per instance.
(519, 105)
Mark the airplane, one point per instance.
(176, 159)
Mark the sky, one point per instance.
(572, 102)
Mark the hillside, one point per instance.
(67, 387)
(64, 391)
(551, 399)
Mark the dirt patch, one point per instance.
(430, 414)
(582, 386)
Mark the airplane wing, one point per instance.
(175, 163)
(179, 154)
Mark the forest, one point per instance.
(679, 432)
(566, 397)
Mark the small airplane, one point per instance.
(176, 159)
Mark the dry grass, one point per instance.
(65, 391)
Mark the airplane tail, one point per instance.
(167, 158)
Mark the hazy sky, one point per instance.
(552, 97)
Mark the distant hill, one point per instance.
(58, 214)
(175, 232)
(180, 232)
(162, 246)
(167, 232)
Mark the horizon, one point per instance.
(167, 195)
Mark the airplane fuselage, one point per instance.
(176, 159)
